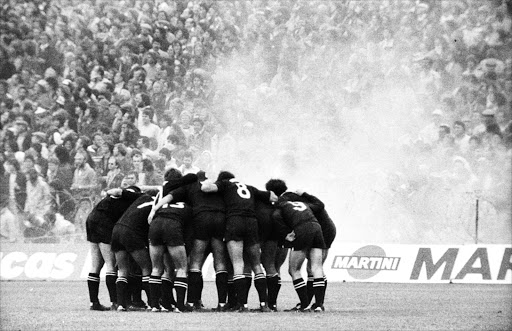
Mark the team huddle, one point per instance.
(156, 240)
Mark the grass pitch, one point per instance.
(349, 306)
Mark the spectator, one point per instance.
(114, 175)
(84, 177)
(199, 140)
(146, 127)
(188, 167)
(37, 205)
(461, 139)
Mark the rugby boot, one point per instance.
(265, 309)
(296, 308)
(98, 306)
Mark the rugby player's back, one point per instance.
(239, 198)
(136, 216)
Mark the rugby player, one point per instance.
(242, 232)
(270, 250)
(329, 233)
(166, 233)
(297, 224)
(99, 226)
(209, 224)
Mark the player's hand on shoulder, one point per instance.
(115, 191)
(290, 236)
(273, 197)
(299, 192)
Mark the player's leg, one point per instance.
(179, 258)
(232, 300)
(268, 259)
(111, 272)
(142, 259)
(309, 284)
(236, 252)
(194, 272)
(168, 276)
(247, 276)
(93, 280)
(220, 257)
(281, 255)
(260, 281)
(135, 285)
(123, 265)
(315, 256)
(296, 260)
(156, 254)
(325, 253)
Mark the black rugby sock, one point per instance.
(309, 288)
(122, 291)
(93, 283)
(200, 289)
(194, 284)
(232, 299)
(135, 287)
(221, 282)
(155, 284)
(145, 285)
(180, 285)
(260, 282)
(319, 289)
(167, 295)
(239, 285)
(110, 279)
(272, 287)
(300, 288)
(247, 285)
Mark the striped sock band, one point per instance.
(298, 283)
(93, 277)
(122, 280)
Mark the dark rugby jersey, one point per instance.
(204, 202)
(136, 216)
(239, 198)
(264, 211)
(321, 214)
(177, 209)
(111, 208)
(292, 212)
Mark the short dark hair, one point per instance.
(172, 174)
(278, 186)
(223, 175)
(166, 152)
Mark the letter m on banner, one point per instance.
(424, 257)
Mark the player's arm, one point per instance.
(167, 199)
(281, 227)
(313, 202)
(209, 187)
(183, 181)
(265, 196)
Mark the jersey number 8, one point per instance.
(242, 190)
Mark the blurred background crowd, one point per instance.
(397, 113)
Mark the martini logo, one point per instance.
(366, 262)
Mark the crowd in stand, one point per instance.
(94, 91)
